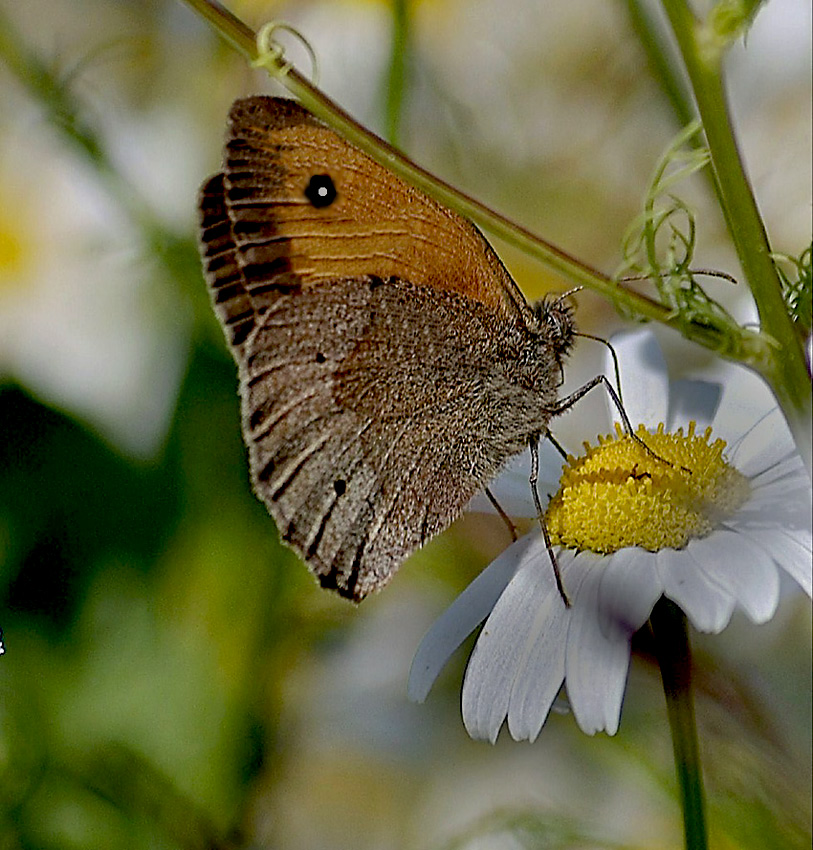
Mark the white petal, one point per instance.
(792, 552)
(644, 378)
(746, 398)
(765, 444)
(463, 616)
(501, 651)
(791, 468)
(762, 519)
(630, 586)
(782, 504)
(539, 677)
(597, 661)
(778, 520)
(704, 602)
(745, 571)
(691, 400)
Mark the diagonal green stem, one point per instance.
(626, 300)
(671, 635)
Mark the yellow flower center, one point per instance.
(15, 249)
(619, 495)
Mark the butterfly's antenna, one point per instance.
(616, 367)
(705, 272)
(563, 295)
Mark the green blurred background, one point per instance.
(173, 676)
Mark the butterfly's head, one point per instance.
(554, 315)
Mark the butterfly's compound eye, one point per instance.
(321, 191)
(557, 314)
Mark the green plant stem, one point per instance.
(666, 71)
(783, 368)
(661, 62)
(673, 650)
(397, 76)
(313, 99)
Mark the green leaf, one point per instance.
(731, 19)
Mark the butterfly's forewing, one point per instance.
(376, 224)
(234, 308)
(371, 327)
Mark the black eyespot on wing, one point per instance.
(340, 486)
(321, 191)
(320, 358)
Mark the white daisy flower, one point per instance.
(633, 529)
(83, 324)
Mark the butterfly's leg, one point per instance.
(533, 444)
(556, 444)
(568, 401)
(512, 529)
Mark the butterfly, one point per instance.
(389, 365)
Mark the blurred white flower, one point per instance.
(757, 531)
(84, 324)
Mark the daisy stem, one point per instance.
(671, 634)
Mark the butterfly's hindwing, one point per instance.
(363, 441)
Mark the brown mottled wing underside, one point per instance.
(373, 414)
(370, 336)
